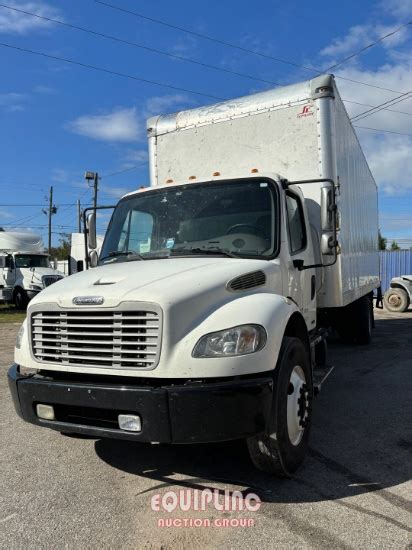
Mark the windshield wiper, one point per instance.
(197, 250)
(130, 254)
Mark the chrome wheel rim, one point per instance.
(297, 405)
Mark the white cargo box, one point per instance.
(301, 132)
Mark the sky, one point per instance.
(59, 119)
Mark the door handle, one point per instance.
(312, 287)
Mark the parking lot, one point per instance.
(352, 492)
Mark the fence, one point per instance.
(394, 264)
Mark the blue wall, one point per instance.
(394, 264)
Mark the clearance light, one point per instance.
(216, 173)
(192, 177)
(254, 171)
(169, 181)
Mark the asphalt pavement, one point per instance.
(353, 491)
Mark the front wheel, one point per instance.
(20, 299)
(282, 449)
(396, 300)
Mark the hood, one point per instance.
(165, 282)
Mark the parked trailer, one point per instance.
(205, 318)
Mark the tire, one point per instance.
(282, 449)
(363, 335)
(356, 322)
(20, 299)
(396, 300)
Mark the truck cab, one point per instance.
(25, 269)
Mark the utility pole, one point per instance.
(96, 188)
(52, 209)
(79, 216)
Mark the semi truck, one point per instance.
(25, 268)
(204, 318)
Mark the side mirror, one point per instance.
(55, 264)
(93, 258)
(91, 228)
(328, 242)
(327, 208)
(2, 262)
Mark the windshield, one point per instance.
(230, 217)
(29, 260)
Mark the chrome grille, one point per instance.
(50, 279)
(112, 339)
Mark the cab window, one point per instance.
(296, 223)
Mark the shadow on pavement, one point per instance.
(360, 441)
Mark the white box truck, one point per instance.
(206, 315)
(25, 268)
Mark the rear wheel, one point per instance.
(20, 299)
(396, 300)
(356, 321)
(282, 449)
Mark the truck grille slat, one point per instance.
(39, 339)
(109, 339)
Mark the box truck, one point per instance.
(205, 317)
(25, 268)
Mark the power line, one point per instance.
(141, 46)
(125, 75)
(121, 171)
(38, 205)
(109, 71)
(383, 131)
(371, 45)
(235, 46)
(369, 105)
(378, 108)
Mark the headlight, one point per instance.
(20, 335)
(233, 341)
(35, 287)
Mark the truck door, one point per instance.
(9, 271)
(301, 284)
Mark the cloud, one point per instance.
(160, 104)
(13, 22)
(397, 8)
(6, 215)
(46, 90)
(136, 156)
(120, 125)
(360, 36)
(12, 102)
(115, 192)
(59, 175)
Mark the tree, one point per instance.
(381, 241)
(62, 251)
(395, 246)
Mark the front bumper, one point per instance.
(181, 413)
